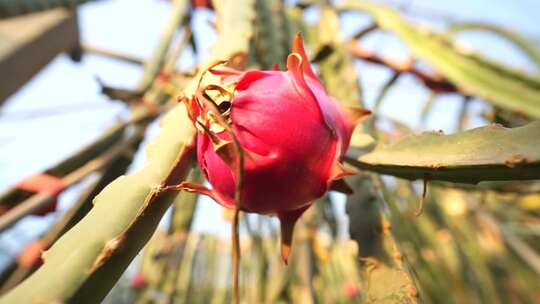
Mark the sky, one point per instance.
(61, 108)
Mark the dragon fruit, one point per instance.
(292, 133)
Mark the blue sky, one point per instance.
(31, 141)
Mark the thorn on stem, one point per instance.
(420, 209)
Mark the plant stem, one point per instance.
(235, 257)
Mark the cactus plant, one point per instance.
(456, 242)
(481, 154)
(476, 75)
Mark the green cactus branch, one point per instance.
(114, 230)
(13, 196)
(473, 74)
(379, 254)
(40, 200)
(432, 81)
(516, 187)
(181, 219)
(376, 248)
(235, 21)
(78, 210)
(517, 244)
(91, 49)
(117, 252)
(337, 69)
(483, 154)
(153, 66)
(525, 45)
(271, 45)
(163, 256)
(184, 207)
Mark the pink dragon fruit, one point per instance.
(293, 135)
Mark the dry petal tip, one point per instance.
(226, 151)
(287, 230)
(224, 71)
(339, 171)
(356, 115)
(287, 221)
(285, 252)
(200, 189)
(340, 185)
(192, 107)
